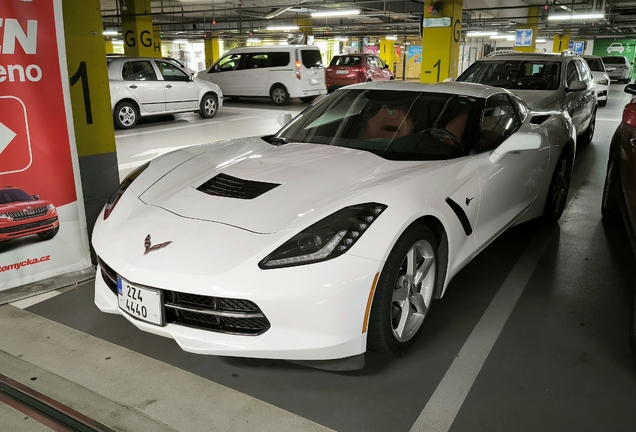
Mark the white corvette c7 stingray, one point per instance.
(337, 233)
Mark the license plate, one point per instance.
(342, 72)
(314, 81)
(139, 302)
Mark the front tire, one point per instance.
(610, 204)
(405, 292)
(559, 187)
(208, 106)
(125, 115)
(279, 95)
(48, 235)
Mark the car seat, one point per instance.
(388, 123)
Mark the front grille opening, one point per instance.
(28, 226)
(248, 319)
(231, 187)
(27, 214)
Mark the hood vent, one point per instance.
(232, 187)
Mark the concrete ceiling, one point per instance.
(239, 18)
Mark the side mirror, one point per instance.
(449, 80)
(631, 89)
(37, 197)
(517, 142)
(284, 118)
(386, 66)
(577, 86)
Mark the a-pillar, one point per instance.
(90, 102)
(561, 42)
(212, 48)
(386, 52)
(440, 45)
(533, 24)
(136, 27)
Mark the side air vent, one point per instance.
(232, 187)
(539, 119)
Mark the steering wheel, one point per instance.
(443, 136)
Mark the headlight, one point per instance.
(602, 82)
(113, 200)
(50, 207)
(4, 216)
(327, 238)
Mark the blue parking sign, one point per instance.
(523, 37)
(577, 47)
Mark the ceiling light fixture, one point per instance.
(541, 41)
(110, 33)
(341, 38)
(481, 33)
(180, 41)
(394, 37)
(282, 28)
(253, 40)
(569, 17)
(335, 13)
(501, 36)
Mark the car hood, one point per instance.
(307, 177)
(539, 99)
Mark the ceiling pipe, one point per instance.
(268, 16)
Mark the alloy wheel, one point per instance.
(278, 95)
(127, 116)
(210, 106)
(560, 186)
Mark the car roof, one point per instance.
(463, 89)
(527, 56)
(272, 48)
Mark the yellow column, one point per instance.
(533, 24)
(90, 102)
(561, 42)
(386, 52)
(108, 44)
(156, 38)
(306, 27)
(440, 45)
(137, 31)
(212, 51)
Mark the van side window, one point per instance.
(256, 61)
(279, 58)
(227, 63)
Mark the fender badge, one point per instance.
(468, 200)
(148, 245)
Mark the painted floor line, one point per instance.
(30, 301)
(194, 124)
(442, 408)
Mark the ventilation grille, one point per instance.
(27, 214)
(232, 187)
(539, 119)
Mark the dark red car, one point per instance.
(22, 215)
(619, 191)
(350, 69)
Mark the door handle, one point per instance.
(133, 86)
(168, 86)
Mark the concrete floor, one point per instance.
(532, 335)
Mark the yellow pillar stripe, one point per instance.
(440, 45)
(212, 50)
(386, 51)
(533, 23)
(137, 30)
(90, 94)
(561, 42)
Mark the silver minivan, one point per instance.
(278, 72)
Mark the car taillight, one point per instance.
(298, 69)
(329, 70)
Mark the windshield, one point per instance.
(515, 74)
(396, 125)
(14, 195)
(346, 61)
(595, 64)
(614, 60)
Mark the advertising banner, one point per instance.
(414, 54)
(42, 224)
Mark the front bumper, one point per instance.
(315, 312)
(27, 227)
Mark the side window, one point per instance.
(279, 58)
(520, 108)
(571, 73)
(257, 61)
(582, 71)
(379, 62)
(371, 61)
(172, 73)
(138, 71)
(228, 63)
(499, 122)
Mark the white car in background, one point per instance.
(601, 78)
(145, 86)
(618, 68)
(335, 234)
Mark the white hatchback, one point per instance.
(144, 86)
(602, 79)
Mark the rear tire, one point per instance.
(279, 95)
(559, 187)
(587, 136)
(610, 204)
(405, 292)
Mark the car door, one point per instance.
(374, 72)
(255, 75)
(510, 185)
(180, 90)
(573, 100)
(588, 96)
(140, 79)
(383, 70)
(224, 73)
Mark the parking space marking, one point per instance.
(442, 408)
(30, 301)
(193, 124)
